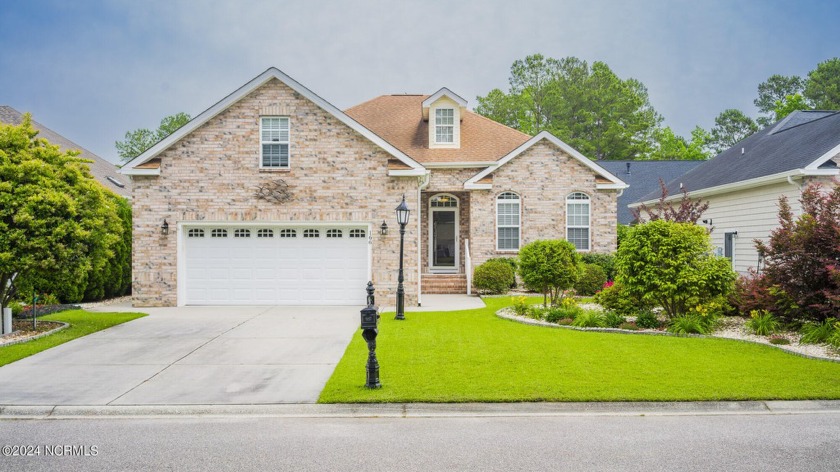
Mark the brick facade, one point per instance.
(211, 174)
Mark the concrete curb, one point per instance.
(425, 410)
(37, 336)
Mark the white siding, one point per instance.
(753, 213)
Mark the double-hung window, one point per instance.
(508, 211)
(274, 142)
(577, 220)
(444, 125)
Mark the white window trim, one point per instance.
(589, 218)
(288, 143)
(452, 126)
(519, 202)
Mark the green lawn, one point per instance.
(81, 323)
(475, 356)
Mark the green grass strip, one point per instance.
(81, 323)
(474, 356)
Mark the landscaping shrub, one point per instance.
(802, 254)
(834, 339)
(762, 322)
(613, 319)
(613, 297)
(520, 305)
(592, 278)
(43, 310)
(549, 267)
(604, 261)
(628, 326)
(494, 276)
(589, 319)
(817, 333)
(687, 324)
(555, 314)
(113, 279)
(511, 261)
(670, 265)
(755, 291)
(647, 319)
(17, 308)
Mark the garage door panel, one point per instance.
(276, 270)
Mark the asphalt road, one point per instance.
(787, 442)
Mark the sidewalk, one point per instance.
(428, 410)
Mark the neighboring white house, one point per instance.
(743, 184)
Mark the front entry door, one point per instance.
(444, 239)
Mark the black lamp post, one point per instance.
(402, 218)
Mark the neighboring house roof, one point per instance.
(399, 120)
(103, 171)
(643, 179)
(801, 144)
(271, 73)
(607, 181)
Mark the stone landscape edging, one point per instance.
(533, 322)
(37, 336)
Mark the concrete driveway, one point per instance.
(190, 355)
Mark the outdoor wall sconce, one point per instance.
(164, 228)
(383, 229)
(707, 222)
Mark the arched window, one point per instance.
(508, 221)
(577, 220)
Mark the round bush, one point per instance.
(493, 276)
(592, 278)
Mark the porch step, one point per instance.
(444, 283)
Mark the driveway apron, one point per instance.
(190, 356)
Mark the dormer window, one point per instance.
(444, 125)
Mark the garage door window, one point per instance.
(288, 233)
(265, 233)
(311, 233)
(218, 233)
(195, 233)
(357, 233)
(334, 233)
(242, 233)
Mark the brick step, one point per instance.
(444, 283)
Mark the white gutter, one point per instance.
(745, 184)
(424, 182)
(790, 181)
(458, 165)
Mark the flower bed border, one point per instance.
(37, 336)
(531, 321)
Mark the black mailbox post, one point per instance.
(370, 328)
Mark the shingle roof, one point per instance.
(103, 171)
(398, 119)
(790, 144)
(643, 179)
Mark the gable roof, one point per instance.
(800, 144)
(609, 181)
(399, 120)
(643, 178)
(241, 92)
(103, 171)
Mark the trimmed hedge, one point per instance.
(494, 276)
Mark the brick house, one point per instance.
(275, 196)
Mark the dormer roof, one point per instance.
(443, 92)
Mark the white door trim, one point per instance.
(457, 210)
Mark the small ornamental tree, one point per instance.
(802, 256)
(671, 265)
(550, 267)
(56, 223)
(684, 211)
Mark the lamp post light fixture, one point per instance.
(402, 218)
(164, 228)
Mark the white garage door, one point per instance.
(275, 265)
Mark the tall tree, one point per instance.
(590, 108)
(57, 224)
(139, 140)
(731, 126)
(670, 146)
(790, 104)
(822, 87)
(775, 88)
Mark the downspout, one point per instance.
(790, 181)
(424, 182)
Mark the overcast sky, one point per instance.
(93, 70)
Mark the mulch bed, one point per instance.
(22, 329)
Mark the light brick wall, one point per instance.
(211, 174)
(543, 176)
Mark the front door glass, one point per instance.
(443, 238)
